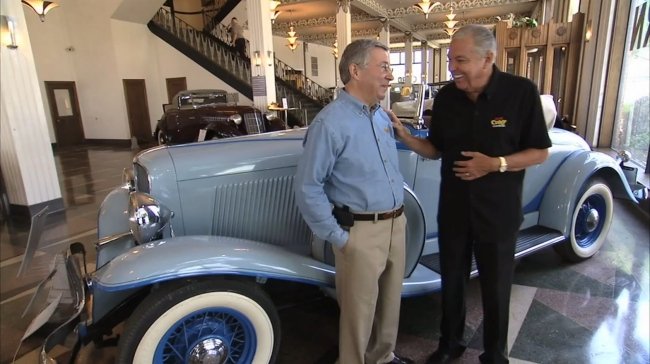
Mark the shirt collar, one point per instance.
(493, 83)
(356, 103)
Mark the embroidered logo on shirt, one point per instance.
(499, 122)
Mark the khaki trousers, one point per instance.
(369, 274)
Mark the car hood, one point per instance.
(237, 155)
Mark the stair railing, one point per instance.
(302, 83)
(218, 53)
(215, 47)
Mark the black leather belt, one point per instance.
(380, 216)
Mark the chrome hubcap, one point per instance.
(591, 222)
(208, 351)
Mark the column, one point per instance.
(25, 151)
(343, 31)
(384, 37)
(408, 74)
(424, 51)
(261, 52)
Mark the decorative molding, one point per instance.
(372, 4)
(328, 20)
(458, 6)
(441, 26)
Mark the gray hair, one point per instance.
(357, 52)
(484, 40)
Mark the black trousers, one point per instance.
(495, 261)
(240, 46)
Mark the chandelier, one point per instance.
(292, 39)
(274, 12)
(426, 6)
(451, 23)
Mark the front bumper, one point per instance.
(65, 303)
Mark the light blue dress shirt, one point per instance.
(349, 159)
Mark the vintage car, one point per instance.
(188, 244)
(198, 115)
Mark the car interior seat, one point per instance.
(549, 110)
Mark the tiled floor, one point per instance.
(596, 311)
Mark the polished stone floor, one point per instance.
(596, 311)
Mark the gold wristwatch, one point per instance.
(503, 164)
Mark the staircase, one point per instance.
(213, 52)
(221, 9)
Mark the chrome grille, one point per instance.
(254, 122)
(261, 210)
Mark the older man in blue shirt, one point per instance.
(350, 192)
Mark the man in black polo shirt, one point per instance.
(487, 126)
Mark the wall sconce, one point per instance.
(269, 58)
(40, 7)
(588, 31)
(257, 60)
(8, 26)
(426, 7)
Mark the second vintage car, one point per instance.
(188, 243)
(198, 115)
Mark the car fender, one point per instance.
(204, 255)
(568, 181)
(112, 218)
(415, 230)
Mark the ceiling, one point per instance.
(315, 20)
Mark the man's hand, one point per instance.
(400, 130)
(477, 166)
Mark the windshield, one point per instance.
(202, 100)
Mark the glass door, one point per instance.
(631, 126)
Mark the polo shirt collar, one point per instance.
(356, 103)
(493, 84)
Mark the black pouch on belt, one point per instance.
(343, 216)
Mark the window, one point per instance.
(398, 62)
(631, 126)
(314, 66)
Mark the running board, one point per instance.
(529, 240)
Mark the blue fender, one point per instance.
(568, 181)
(113, 218)
(192, 256)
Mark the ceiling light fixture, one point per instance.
(451, 23)
(426, 6)
(40, 7)
(292, 37)
(273, 4)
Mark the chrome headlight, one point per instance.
(147, 217)
(270, 116)
(235, 118)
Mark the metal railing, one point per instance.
(218, 53)
(302, 83)
(215, 47)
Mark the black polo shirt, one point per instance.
(506, 118)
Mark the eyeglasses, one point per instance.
(386, 68)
